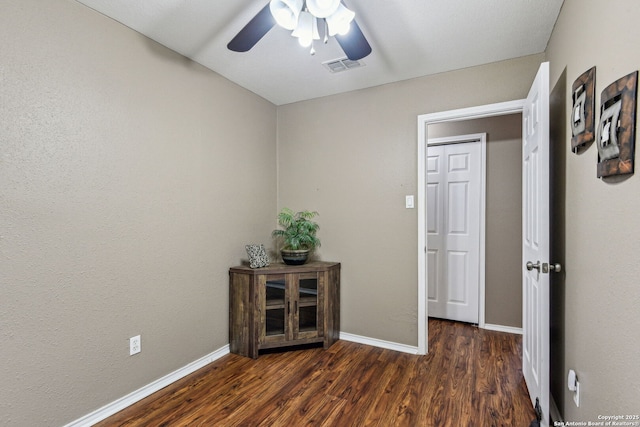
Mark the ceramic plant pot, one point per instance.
(297, 257)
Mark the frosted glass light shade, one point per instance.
(322, 8)
(307, 29)
(340, 21)
(286, 12)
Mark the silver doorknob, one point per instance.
(555, 267)
(531, 266)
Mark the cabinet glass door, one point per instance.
(275, 302)
(308, 303)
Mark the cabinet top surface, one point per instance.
(283, 268)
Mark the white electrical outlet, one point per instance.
(574, 386)
(134, 345)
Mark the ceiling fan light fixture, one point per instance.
(307, 29)
(286, 12)
(322, 8)
(340, 21)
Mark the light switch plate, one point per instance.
(409, 202)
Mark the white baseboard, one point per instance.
(379, 343)
(137, 395)
(131, 398)
(500, 328)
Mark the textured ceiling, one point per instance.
(410, 38)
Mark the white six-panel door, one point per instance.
(454, 185)
(535, 241)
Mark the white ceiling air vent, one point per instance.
(342, 64)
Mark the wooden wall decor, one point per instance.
(583, 112)
(617, 128)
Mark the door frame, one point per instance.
(490, 110)
(467, 139)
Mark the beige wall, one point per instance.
(129, 183)
(353, 158)
(602, 315)
(503, 251)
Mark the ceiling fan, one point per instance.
(302, 17)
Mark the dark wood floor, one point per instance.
(471, 377)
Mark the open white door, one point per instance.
(535, 242)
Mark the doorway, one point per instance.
(500, 299)
(430, 125)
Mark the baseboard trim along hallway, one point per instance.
(128, 400)
(500, 328)
(388, 345)
(133, 397)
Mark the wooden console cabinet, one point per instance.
(282, 305)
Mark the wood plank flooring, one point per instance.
(471, 377)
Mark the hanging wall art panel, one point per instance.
(583, 112)
(616, 129)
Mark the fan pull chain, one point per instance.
(326, 31)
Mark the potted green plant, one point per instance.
(298, 235)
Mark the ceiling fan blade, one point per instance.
(354, 44)
(253, 31)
